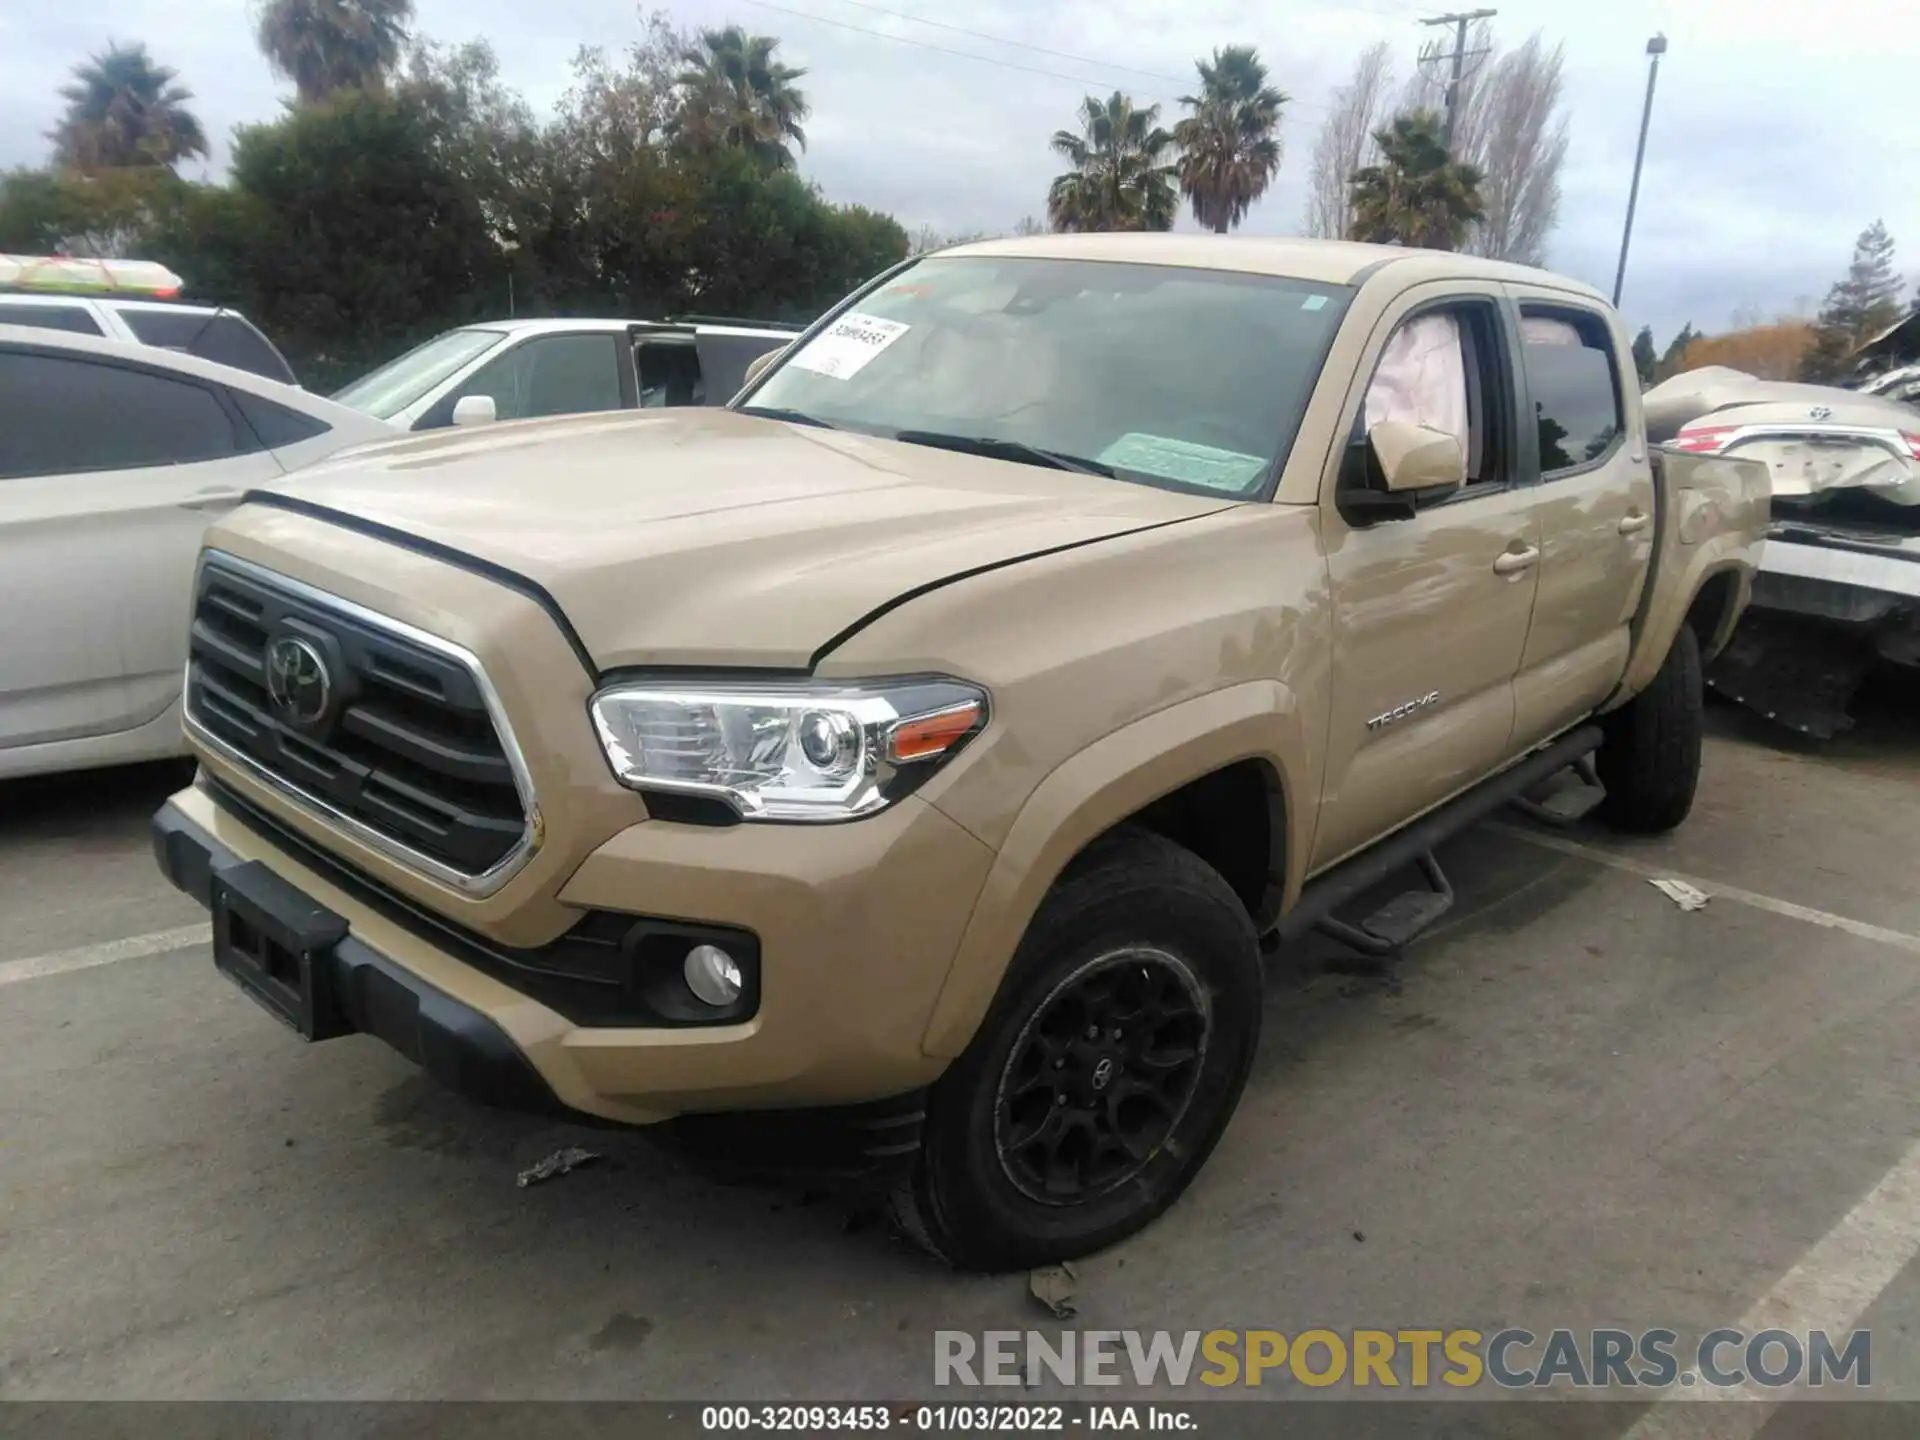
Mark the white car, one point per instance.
(520, 369)
(211, 332)
(113, 458)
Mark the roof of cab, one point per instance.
(1327, 262)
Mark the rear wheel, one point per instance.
(1650, 758)
(1105, 1071)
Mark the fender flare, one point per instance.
(1656, 632)
(1096, 789)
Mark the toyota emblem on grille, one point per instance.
(297, 680)
(1820, 412)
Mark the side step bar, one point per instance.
(1327, 893)
(1569, 805)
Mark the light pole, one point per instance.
(1656, 47)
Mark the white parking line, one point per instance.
(1829, 1289)
(105, 953)
(1899, 939)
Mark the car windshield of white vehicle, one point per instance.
(1185, 379)
(397, 384)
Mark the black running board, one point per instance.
(1326, 893)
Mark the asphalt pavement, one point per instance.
(1577, 1105)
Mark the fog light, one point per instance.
(712, 975)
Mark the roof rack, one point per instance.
(795, 326)
(71, 274)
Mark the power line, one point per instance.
(1080, 80)
(1016, 44)
(939, 49)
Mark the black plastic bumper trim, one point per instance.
(453, 1042)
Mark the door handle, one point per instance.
(1512, 562)
(212, 500)
(1634, 523)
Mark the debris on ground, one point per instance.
(1687, 897)
(561, 1162)
(1056, 1287)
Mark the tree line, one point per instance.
(406, 189)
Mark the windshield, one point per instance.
(1182, 378)
(397, 384)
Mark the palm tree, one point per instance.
(1119, 180)
(122, 111)
(325, 46)
(733, 93)
(1230, 145)
(1414, 194)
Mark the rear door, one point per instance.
(109, 472)
(1430, 611)
(1585, 454)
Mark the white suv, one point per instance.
(210, 332)
(522, 369)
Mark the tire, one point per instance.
(1650, 758)
(1137, 927)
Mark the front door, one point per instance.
(1430, 613)
(109, 473)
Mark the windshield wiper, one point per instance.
(796, 417)
(1000, 448)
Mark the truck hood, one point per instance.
(707, 537)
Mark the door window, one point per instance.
(1442, 368)
(60, 415)
(1575, 386)
(71, 318)
(551, 375)
(1422, 377)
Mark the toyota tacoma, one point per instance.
(911, 761)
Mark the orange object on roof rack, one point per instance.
(71, 274)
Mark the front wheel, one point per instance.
(1105, 1071)
(1650, 758)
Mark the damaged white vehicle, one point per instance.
(1839, 585)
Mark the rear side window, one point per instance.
(223, 339)
(276, 425)
(171, 329)
(70, 318)
(232, 341)
(60, 416)
(1575, 387)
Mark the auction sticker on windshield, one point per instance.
(848, 345)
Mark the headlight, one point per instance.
(787, 750)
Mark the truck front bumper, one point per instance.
(362, 990)
(846, 982)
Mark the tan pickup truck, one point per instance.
(904, 769)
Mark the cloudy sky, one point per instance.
(1780, 129)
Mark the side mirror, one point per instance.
(760, 364)
(1417, 457)
(475, 410)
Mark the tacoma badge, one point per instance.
(1400, 712)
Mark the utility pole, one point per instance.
(1460, 20)
(1656, 47)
